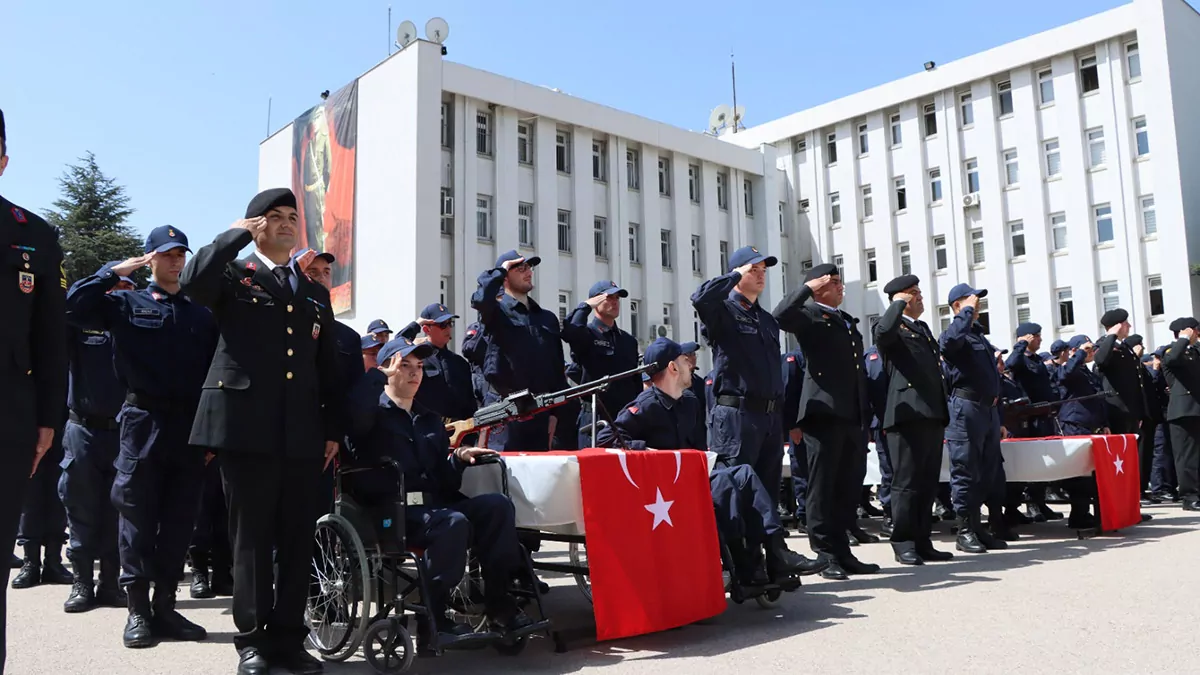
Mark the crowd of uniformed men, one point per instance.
(204, 410)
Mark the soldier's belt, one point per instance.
(98, 423)
(973, 396)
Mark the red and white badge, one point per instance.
(316, 330)
(25, 281)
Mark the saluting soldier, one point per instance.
(1162, 474)
(1182, 363)
(446, 389)
(1120, 368)
(1081, 417)
(34, 374)
(1151, 419)
(877, 393)
(1029, 369)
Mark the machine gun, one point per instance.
(1018, 410)
(523, 405)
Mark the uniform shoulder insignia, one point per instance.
(873, 357)
(19, 215)
(708, 381)
(791, 359)
(633, 409)
(470, 333)
(62, 274)
(252, 266)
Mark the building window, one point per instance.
(944, 318)
(831, 149)
(748, 197)
(444, 296)
(1004, 91)
(972, 166)
(1053, 162)
(863, 144)
(978, 256)
(782, 228)
(696, 253)
(633, 169)
(1023, 310)
(724, 256)
(564, 305)
(1104, 223)
(930, 120)
(935, 185)
(483, 217)
(600, 161)
(1066, 308)
(664, 176)
(1012, 174)
(600, 236)
(1046, 86)
(635, 319)
(483, 133)
(966, 109)
(1142, 136)
(447, 212)
(635, 243)
(1110, 296)
(835, 208)
(447, 127)
(805, 266)
(802, 205)
(1058, 231)
(940, 258)
(897, 136)
(905, 259)
(783, 273)
(1089, 75)
(839, 261)
(694, 183)
(872, 269)
(562, 151)
(696, 326)
(1016, 237)
(722, 190)
(564, 231)
(800, 147)
(868, 204)
(525, 224)
(1154, 283)
(1134, 61)
(1096, 153)
(524, 143)
(668, 313)
(1149, 222)
(982, 318)
(901, 194)
(664, 238)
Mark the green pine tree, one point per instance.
(90, 217)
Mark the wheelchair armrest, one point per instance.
(386, 463)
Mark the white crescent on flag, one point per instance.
(624, 466)
(678, 465)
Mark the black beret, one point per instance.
(1113, 317)
(269, 199)
(3, 134)
(1028, 328)
(1133, 340)
(1181, 323)
(900, 283)
(821, 270)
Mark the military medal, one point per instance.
(25, 281)
(316, 330)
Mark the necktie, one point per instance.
(284, 275)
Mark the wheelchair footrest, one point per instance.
(535, 627)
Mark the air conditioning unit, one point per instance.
(971, 200)
(447, 204)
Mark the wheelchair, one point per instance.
(766, 595)
(356, 565)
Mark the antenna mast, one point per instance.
(268, 117)
(733, 77)
(389, 30)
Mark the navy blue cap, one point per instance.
(1147, 358)
(437, 313)
(1161, 351)
(402, 347)
(963, 290)
(369, 342)
(533, 261)
(608, 288)
(1029, 328)
(663, 351)
(378, 326)
(1045, 356)
(689, 347)
(1078, 341)
(1058, 346)
(326, 256)
(748, 255)
(165, 238)
(266, 200)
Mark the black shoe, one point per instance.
(1013, 518)
(513, 623)
(1035, 513)
(53, 571)
(1188, 505)
(297, 661)
(1163, 496)
(1051, 514)
(886, 526)
(942, 513)
(82, 597)
(862, 536)
(1055, 496)
(250, 662)
(869, 510)
(1083, 521)
(851, 539)
(137, 631)
(1150, 499)
(165, 622)
(833, 570)
(990, 541)
(16, 563)
(852, 565)
(968, 540)
(1001, 530)
(931, 554)
(783, 562)
(221, 581)
(909, 558)
(31, 574)
(201, 589)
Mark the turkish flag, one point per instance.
(651, 540)
(1118, 482)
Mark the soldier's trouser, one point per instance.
(43, 519)
(1185, 443)
(210, 537)
(748, 437)
(743, 506)
(886, 470)
(976, 463)
(1162, 476)
(916, 449)
(85, 488)
(798, 458)
(16, 459)
(835, 459)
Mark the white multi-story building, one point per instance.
(1050, 171)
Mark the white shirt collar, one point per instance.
(270, 265)
(827, 308)
(911, 321)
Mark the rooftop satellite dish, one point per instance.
(719, 117)
(437, 30)
(405, 34)
(738, 113)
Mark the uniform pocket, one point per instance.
(236, 379)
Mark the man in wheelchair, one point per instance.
(385, 426)
(664, 416)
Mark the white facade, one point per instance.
(1049, 171)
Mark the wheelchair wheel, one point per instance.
(388, 647)
(339, 603)
(578, 555)
(465, 600)
(769, 600)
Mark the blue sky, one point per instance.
(172, 96)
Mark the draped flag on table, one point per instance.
(1118, 482)
(651, 540)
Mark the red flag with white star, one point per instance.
(651, 540)
(1118, 481)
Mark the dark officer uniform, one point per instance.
(833, 412)
(973, 433)
(446, 388)
(523, 351)
(443, 522)
(1151, 418)
(91, 442)
(601, 350)
(744, 424)
(1122, 382)
(163, 345)
(42, 530)
(877, 388)
(915, 417)
(1076, 380)
(34, 374)
(1182, 363)
(268, 406)
(474, 350)
(793, 389)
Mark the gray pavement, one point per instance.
(1124, 603)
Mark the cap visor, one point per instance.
(771, 261)
(380, 329)
(534, 261)
(327, 257)
(421, 351)
(443, 318)
(688, 348)
(616, 291)
(172, 245)
(981, 293)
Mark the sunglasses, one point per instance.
(522, 267)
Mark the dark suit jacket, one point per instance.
(835, 387)
(916, 388)
(1182, 363)
(274, 382)
(1122, 379)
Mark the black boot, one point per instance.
(53, 571)
(137, 627)
(31, 568)
(83, 596)
(165, 622)
(109, 592)
(968, 539)
(783, 562)
(201, 588)
(988, 538)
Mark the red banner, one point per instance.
(1118, 480)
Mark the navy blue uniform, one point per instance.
(446, 388)
(1075, 380)
(474, 350)
(744, 425)
(793, 389)
(164, 344)
(1162, 473)
(877, 395)
(1029, 371)
(701, 393)
(523, 351)
(601, 350)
